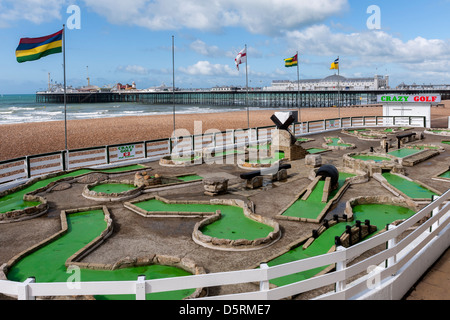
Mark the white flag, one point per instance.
(241, 57)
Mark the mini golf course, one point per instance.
(48, 263)
(409, 188)
(260, 147)
(445, 175)
(186, 159)
(336, 142)
(227, 153)
(313, 206)
(14, 201)
(233, 225)
(359, 130)
(405, 152)
(393, 130)
(370, 158)
(378, 214)
(424, 147)
(266, 146)
(441, 131)
(316, 150)
(189, 177)
(112, 188)
(277, 157)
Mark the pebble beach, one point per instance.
(21, 139)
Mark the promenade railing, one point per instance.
(37, 165)
(411, 248)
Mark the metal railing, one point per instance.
(38, 165)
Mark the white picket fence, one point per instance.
(393, 271)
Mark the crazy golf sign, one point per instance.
(403, 105)
(425, 98)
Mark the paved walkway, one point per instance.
(435, 284)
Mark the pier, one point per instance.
(256, 98)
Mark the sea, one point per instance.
(23, 108)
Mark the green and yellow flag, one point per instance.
(291, 62)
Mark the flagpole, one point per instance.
(173, 81)
(339, 89)
(298, 96)
(246, 80)
(65, 88)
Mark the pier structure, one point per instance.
(256, 98)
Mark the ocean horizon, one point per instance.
(23, 108)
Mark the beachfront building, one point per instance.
(224, 89)
(332, 83)
(414, 86)
(120, 87)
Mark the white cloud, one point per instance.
(134, 69)
(369, 47)
(36, 11)
(202, 48)
(206, 68)
(257, 16)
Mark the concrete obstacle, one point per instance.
(144, 179)
(215, 186)
(313, 160)
(255, 178)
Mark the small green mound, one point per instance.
(315, 150)
(112, 188)
(370, 158)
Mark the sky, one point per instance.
(115, 41)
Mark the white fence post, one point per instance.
(140, 288)
(340, 265)
(434, 212)
(264, 285)
(24, 290)
(390, 244)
